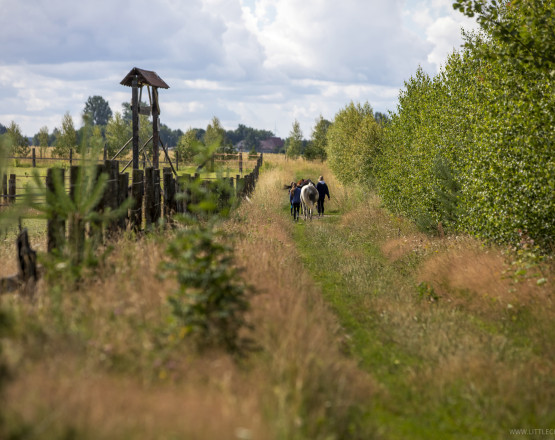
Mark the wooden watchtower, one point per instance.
(137, 79)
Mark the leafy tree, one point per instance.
(96, 137)
(98, 110)
(188, 145)
(42, 138)
(118, 132)
(353, 142)
(250, 136)
(127, 112)
(465, 147)
(316, 149)
(215, 133)
(524, 29)
(20, 144)
(2, 129)
(67, 137)
(52, 137)
(295, 141)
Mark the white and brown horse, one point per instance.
(309, 197)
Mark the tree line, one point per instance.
(470, 148)
(102, 126)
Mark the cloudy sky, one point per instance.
(262, 63)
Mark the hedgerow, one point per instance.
(472, 147)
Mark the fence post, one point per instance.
(105, 152)
(149, 195)
(240, 163)
(176, 160)
(123, 193)
(157, 214)
(56, 226)
(111, 192)
(5, 188)
(137, 191)
(76, 227)
(95, 230)
(70, 156)
(169, 193)
(34, 158)
(11, 188)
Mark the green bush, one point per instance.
(472, 148)
(211, 300)
(353, 141)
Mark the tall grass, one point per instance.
(459, 347)
(364, 328)
(99, 362)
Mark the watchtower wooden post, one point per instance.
(135, 120)
(137, 79)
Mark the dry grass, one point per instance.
(99, 362)
(293, 323)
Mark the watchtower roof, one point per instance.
(146, 78)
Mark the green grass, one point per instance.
(403, 340)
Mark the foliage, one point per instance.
(472, 147)
(127, 112)
(20, 144)
(353, 141)
(522, 30)
(250, 136)
(79, 209)
(187, 145)
(168, 136)
(295, 141)
(215, 133)
(211, 300)
(96, 137)
(67, 137)
(98, 110)
(118, 132)
(42, 139)
(316, 149)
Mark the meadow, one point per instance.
(363, 328)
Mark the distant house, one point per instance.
(271, 145)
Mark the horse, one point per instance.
(309, 196)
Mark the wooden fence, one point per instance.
(240, 161)
(154, 196)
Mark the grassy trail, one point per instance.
(460, 364)
(364, 328)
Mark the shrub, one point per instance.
(472, 148)
(353, 141)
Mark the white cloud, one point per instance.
(262, 63)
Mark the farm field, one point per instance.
(364, 329)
